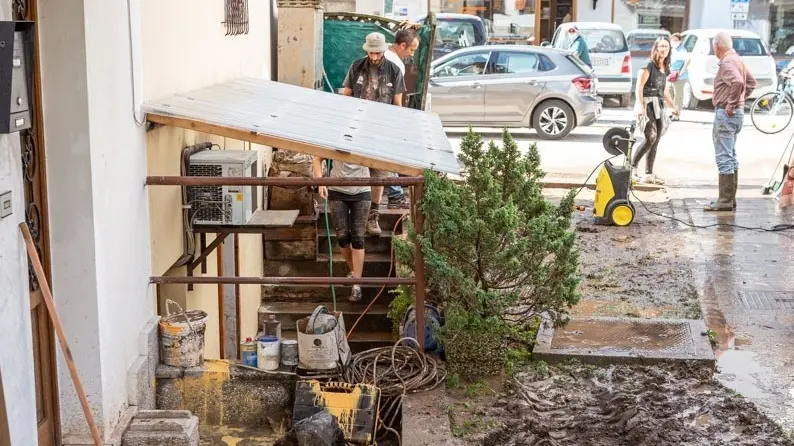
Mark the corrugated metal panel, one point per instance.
(368, 129)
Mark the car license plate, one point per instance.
(600, 61)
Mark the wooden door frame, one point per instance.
(37, 216)
(538, 13)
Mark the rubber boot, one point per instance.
(727, 193)
(735, 186)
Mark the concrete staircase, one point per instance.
(303, 251)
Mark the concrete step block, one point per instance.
(162, 427)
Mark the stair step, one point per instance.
(387, 220)
(359, 341)
(319, 293)
(375, 265)
(376, 319)
(372, 243)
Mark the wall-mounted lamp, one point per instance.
(595, 3)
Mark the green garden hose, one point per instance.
(330, 246)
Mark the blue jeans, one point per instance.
(394, 191)
(726, 129)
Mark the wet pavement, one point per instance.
(744, 284)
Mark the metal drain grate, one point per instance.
(767, 300)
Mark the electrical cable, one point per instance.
(382, 288)
(775, 228)
(328, 237)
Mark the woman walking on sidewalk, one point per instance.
(651, 94)
(679, 64)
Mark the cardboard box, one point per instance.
(324, 351)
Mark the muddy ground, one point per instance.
(642, 270)
(584, 405)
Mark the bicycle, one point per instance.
(772, 112)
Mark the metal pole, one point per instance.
(221, 313)
(419, 267)
(284, 182)
(364, 281)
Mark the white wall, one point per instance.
(101, 231)
(16, 359)
(710, 14)
(586, 13)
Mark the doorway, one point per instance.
(549, 14)
(31, 143)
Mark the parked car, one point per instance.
(455, 31)
(704, 63)
(609, 53)
(640, 43)
(549, 90)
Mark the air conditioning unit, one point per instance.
(219, 205)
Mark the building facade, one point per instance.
(78, 179)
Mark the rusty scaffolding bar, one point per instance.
(366, 281)
(284, 182)
(417, 185)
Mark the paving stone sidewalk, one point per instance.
(744, 281)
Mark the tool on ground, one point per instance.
(775, 182)
(611, 205)
(355, 406)
(38, 270)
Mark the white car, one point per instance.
(704, 63)
(609, 53)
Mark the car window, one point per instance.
(642, 42)
(744, 46)
(457, 33)
(464, 65)
(520, 63)
(599, 40)
(689, 43)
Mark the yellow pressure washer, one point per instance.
(611, 205)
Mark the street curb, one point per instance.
(573, 185)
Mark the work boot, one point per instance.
(373, 228)
(355, 294)
(727, 193)
(400, 202)
(735, 186)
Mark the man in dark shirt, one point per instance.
(732, 85)
(375, 78)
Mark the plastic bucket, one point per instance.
(289, 353)
(268, 353)
(182, 337)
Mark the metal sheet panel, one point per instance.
(368, 129)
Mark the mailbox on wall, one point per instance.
(16, 42)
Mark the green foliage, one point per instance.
(402, 301)
(517, 360)
(453, 380)
(497, 254)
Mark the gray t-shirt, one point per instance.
(341, 169)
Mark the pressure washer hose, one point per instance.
(330, 246)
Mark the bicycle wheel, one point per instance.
(772, 112)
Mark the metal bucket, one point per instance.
(182, 336)
(267, 353)
(289, 352)
(248, 352)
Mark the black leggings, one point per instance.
(653, 130)
(349, 219)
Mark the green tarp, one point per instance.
(343, 36)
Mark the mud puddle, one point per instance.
(643, 270)
(620, 405)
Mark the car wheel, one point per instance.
(690, 102)
(553, 120)
(624, 99)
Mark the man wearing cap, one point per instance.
(375, 78)
(579, 45)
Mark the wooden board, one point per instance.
(5, 431)
(261, 220)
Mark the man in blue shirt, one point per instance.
(679, 61)
(579, 46)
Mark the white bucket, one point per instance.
(182, 337)
(268, 354)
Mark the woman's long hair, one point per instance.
(655, 54)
